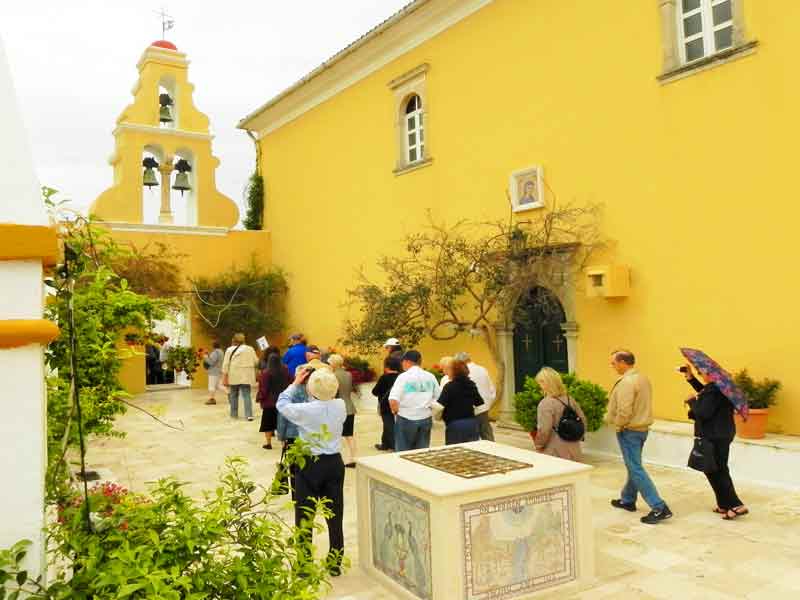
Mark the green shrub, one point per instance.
(761, 393)
(590, 396)
(183, 358)
(233, 545)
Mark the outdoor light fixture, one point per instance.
(149, 179)
(182, 178)
(165, 114)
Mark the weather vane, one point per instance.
(167, 22)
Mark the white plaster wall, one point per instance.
(20, 289)
(20, 200)
(22, 448)
(774, 461)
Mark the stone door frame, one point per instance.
(505, 343)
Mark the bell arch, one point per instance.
(152, 180)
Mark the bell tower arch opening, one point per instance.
(152, 159)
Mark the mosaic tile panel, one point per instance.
(401, 538)
(465, 462)
(519, 544)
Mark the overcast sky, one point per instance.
(74, 65)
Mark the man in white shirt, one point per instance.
(411, 398)
(486, 389)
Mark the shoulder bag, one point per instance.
(702, 456)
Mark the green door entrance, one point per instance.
(538, 339)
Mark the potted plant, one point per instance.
(761, 395)
(590, 396)
(183, 358)
(436, 370)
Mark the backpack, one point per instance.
(571, 427)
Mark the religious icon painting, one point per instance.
(519, 545)
(526, 189)
(401, 538)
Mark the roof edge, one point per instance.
(336, 58)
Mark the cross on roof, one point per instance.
(167, 22)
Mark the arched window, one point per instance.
(415, 130)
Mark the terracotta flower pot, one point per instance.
(755, 426)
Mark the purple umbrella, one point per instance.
(723, 380)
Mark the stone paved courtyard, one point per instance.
(695, 555)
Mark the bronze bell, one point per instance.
(149, 179)
(165, 113)
(182, 183)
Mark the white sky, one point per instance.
(74, 64)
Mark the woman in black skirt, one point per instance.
(271, 382)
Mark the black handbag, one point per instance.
(702, 456)
(280, 483)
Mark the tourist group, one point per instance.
(307, 394)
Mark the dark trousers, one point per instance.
(460, 431)
(323, 478)
(720, 480)
(387, 437)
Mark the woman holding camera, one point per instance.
(712, 414)
(319, 423)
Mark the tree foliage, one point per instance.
(153, 270)
(250, 300)
(468, 277)
(254, 193)
(105, 309)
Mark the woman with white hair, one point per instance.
(319, 423)
(549, 413)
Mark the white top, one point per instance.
(311, 416)
(545, 470)
(484, 383)
(415, 391)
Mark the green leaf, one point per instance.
(22, 577)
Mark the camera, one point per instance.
(683, 369)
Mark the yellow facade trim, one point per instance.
(15, 333)
(22, 242)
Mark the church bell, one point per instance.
(182, 178)
(165, 113)
(149, 178)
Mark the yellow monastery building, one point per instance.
(673, 114)
(172, 204)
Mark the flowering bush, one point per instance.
(359, 369)
(183, 358)
(231, 545)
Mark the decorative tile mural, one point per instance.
(518, 544)
(401, 538)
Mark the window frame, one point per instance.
(404, 88)
(674, 64)
(708, 29)
(418, 114)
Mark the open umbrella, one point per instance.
(723, 380)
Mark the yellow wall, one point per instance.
(694, 176)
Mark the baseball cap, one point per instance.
(391, 342)
(413, 356)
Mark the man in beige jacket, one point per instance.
(239, 374)
(630, 411)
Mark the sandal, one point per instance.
(733, 514)
(720, 511)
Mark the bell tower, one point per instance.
(164, 169)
